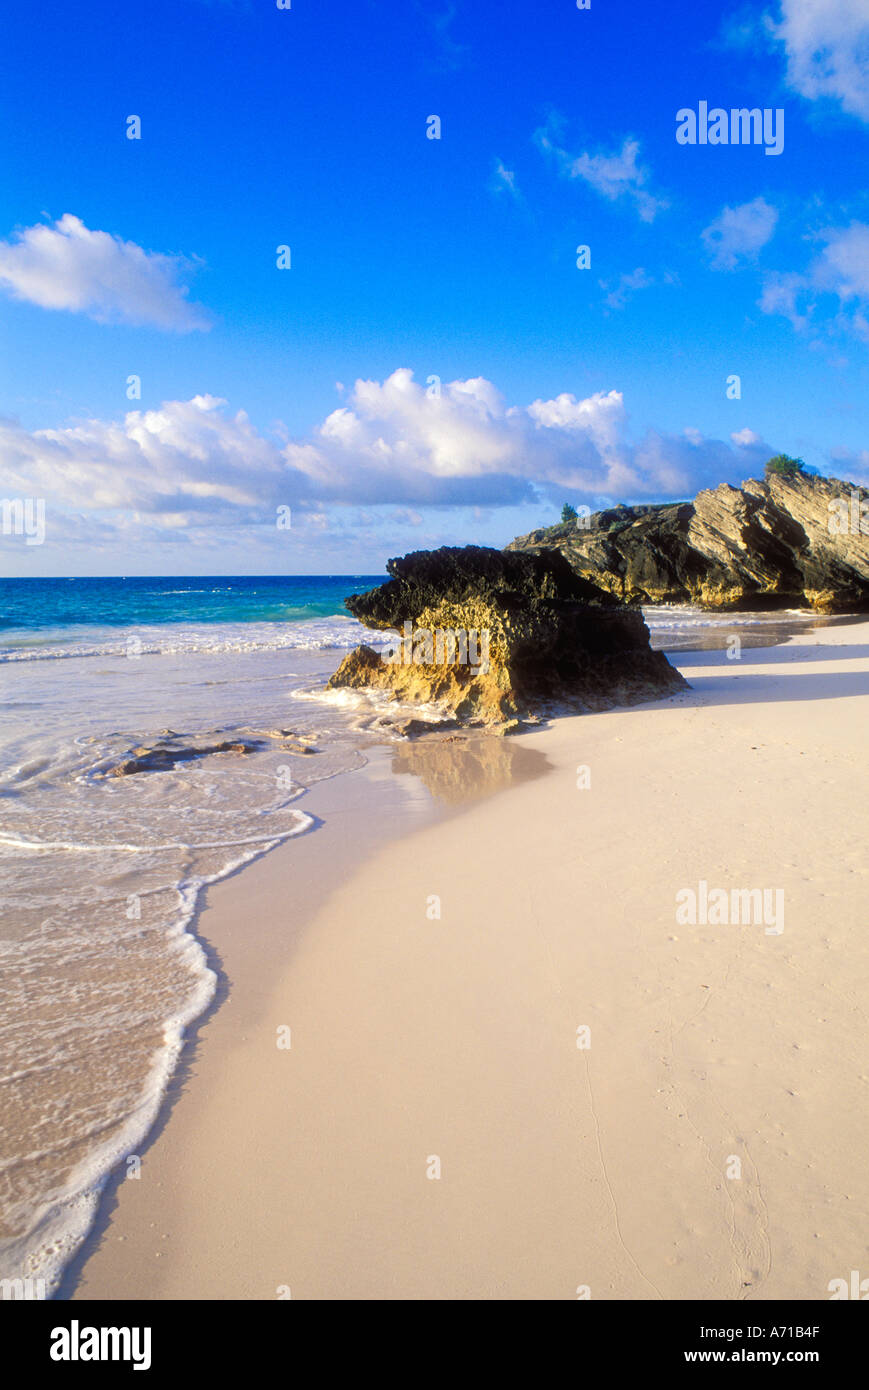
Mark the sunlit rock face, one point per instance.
(492, 637)
(786, 543)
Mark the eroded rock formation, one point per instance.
(786, 543)
(532, 632)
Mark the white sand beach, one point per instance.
(710, 1142)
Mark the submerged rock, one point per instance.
(171, 748)
(163, 757)
(783, 543)
(492, 636)
(293, 745)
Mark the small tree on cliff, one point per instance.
(784, 466)
(568, 513)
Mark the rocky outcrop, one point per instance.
(785, 543)
(491, 637)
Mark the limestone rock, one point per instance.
(163, 757)
(765, 545)
(170, 748)
(491, 637)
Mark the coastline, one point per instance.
(456, 1037)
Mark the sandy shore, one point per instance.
(709, 1143)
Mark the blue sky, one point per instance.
(411, 259)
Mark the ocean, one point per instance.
(100, 874)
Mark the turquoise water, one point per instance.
(38, 604)
(63, 616)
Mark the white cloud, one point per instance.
(186, 458)
(745, 437)
(840, 269)
(600, 416)
(614, 176)
(827, 47)
(394, 442)
(738, 233)
(843, 266)
(193, 464)
(504, 178)
(780, 295)
(627, 287)
(70, 267)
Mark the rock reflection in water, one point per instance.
(464, 767)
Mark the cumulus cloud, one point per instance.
(841, 269)
(614, 176)
(396, 442)
(738, 233)
(68, 266)
(187, 458)
(826, 43)
(195, 463)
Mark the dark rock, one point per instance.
(765, 545)
(162, 758)
(526, 629)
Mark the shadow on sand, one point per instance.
(765, 676)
